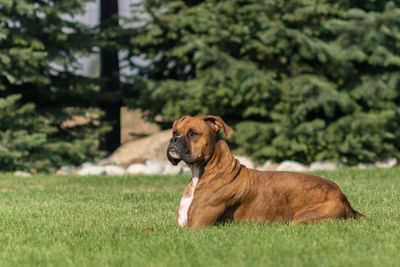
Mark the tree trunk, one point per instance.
(110, 76)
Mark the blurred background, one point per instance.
(297, 80)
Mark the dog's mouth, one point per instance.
(173, 156)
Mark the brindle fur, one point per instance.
(227, 190)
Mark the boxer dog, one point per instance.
(221, 189)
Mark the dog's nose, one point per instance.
(175, 139)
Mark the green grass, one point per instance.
(101, 221)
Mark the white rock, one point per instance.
(387, 163)
(365, 165)
(324, 166)
(268, 166)
(171, 169)
(290, 165)
(87, 164)
(154, 167)
(186, 170)
(114, 170)
(151, 167)
(22, 174)
(91, 170)
(246, 162)
(137, 168)
(104, 162)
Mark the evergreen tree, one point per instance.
(25, 139)
(22, 136)
(300, 79)
(40, 44)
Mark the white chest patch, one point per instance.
(186, 201)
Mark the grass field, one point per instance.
(101, 221)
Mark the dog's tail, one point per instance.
(357, 215)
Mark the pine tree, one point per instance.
(23, 136)
(304, 80)
(40, 43)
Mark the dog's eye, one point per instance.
(192, 134)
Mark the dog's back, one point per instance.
(296, 197)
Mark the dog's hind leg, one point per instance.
(330, 210)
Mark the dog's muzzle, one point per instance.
(177, 150)
(173, 156)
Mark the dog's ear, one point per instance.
(217, 124)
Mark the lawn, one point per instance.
(104, 221)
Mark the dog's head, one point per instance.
(193, 139)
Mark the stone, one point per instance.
(91, 170)
(126, 164)
(87, 164)
(246, 162)
(186, 170)
(268, 166)
(170, 169)
(22, 174)
(150, 167)
(365, 165)
(137, 168)
(104, 162)
(114, 170)
(324, 166)
(65, 171)
(154, 167)
(387, 163)
(153, 147)
(290, 165)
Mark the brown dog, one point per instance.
(221, 189)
